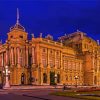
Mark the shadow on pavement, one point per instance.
(36, 97)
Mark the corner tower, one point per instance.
(18, 48)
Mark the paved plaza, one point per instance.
(38, 94)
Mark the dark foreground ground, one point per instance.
(40, 94)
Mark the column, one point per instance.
(6, 56)
(18, 58)
(27, 56)
(80, 66)
(61, 69)
(66, 64)
(75, 66)
(2, 59)
(93, 67)
(55, 60)
(61, 60)
(15, 56)
(12, 56)
(23, 57)
(33, 55)
(48, 76)
(37, 53)
(47, 56)
(40, 58)
(93, 60)
(48, 69)
(41, 76)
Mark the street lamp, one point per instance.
(6, 72)
(55, 80)
(76, 78)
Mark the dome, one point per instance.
(17, 26)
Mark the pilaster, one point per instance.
(7, 56)
(55, 60)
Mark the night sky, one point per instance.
(55, 17)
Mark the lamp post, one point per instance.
(55, 80)
(6, 72)
(76, 78)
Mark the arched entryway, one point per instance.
(52, 78)
(44, 78)
(58, 78)
(95, 80)
(23, 78)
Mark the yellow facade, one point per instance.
(38, 60)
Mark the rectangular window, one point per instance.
(44, 59)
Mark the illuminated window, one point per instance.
(44, 58)
(44, 62)
(51, 58)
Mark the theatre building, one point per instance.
(42, 61)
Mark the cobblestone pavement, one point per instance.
(40, 94)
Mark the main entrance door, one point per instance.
(22, 78)
(52, 78)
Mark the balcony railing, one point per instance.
(51, 42)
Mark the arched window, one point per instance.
(44, 78)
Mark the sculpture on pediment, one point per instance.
(49, 37)
(32, 35)
(40, 35)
